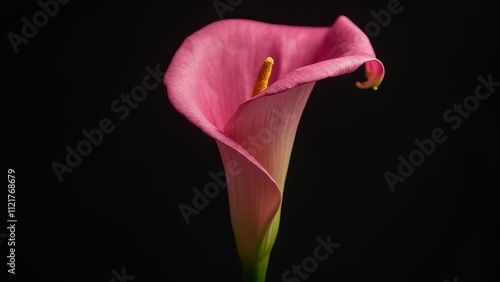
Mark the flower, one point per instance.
(216, 79)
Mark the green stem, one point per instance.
(256, 272)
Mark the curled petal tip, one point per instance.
(374, 74)
(370, 83)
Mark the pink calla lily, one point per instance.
(210, 81)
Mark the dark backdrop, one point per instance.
(115, 215)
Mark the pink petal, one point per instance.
(210, 80)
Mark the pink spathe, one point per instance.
(210, 81)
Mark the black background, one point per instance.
(119, 207)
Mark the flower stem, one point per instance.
(256, 272)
